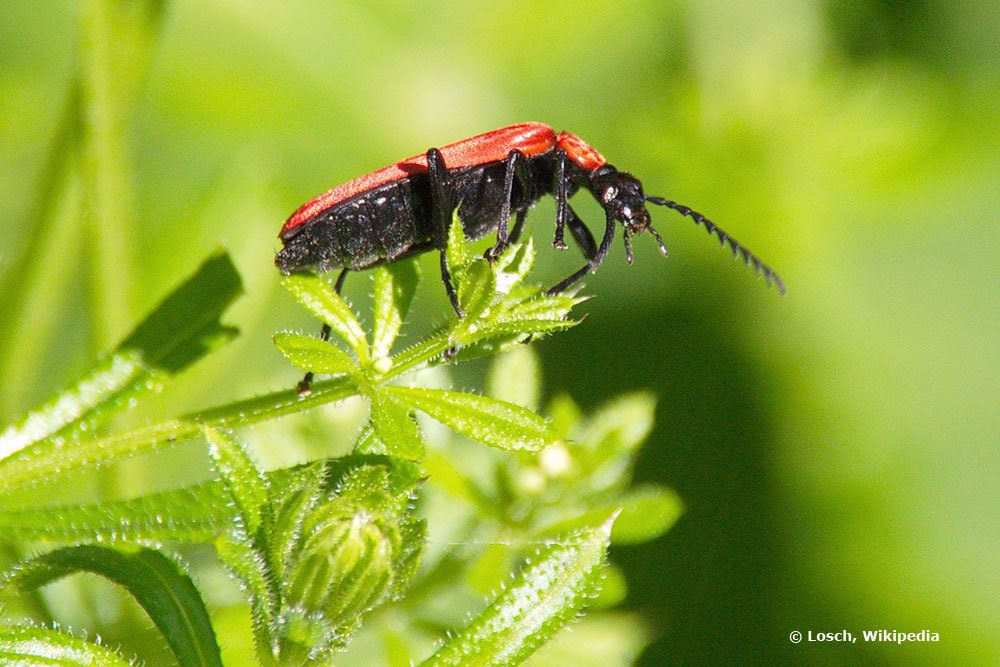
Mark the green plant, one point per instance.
(432, 547)
(323, 547)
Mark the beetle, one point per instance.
(406, 208)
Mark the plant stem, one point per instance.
(107, 198)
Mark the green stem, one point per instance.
(107, 196)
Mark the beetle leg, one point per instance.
(305, 386)
(516, 166)
(594, 261)
(562, 195)
(581, 234)
(441, 211)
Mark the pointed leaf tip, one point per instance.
(316, 296)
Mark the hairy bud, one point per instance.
(352, 553)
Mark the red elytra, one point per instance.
(529, 138)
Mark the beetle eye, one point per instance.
(609, 194)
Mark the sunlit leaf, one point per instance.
(243, 479)
(542, 308)
(445, 475)
(476, 290)
(158, 584)
(489, 569)
(513, 265)
(623, 423)
(181, 330)
(492, 422)
(314, 354)
(647, 512)
(565, 415)
(493, 339)
(539, 601)
(457, 252)
(27, 646)
(194, 514)
(236, 549)
(395, 426)
(614, 586)
(394, 287)
(292, 500)
(602, 639)
(54, 458)
(322, 301)
(514, 377)
(367, 442)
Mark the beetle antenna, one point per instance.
(659, 240)
(759, 267)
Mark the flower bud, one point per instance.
(353, 553)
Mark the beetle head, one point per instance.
(621, 196)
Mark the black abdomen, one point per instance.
(393, 220)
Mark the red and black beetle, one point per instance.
(406, 208)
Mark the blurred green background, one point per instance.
(837, 450)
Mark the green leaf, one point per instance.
(181, 330)
(488, 570)
(194, 514)
(447, 477)
(421, 353)
(292, 500)
(158, 584)
(612, 438)
(492, 422)
(476, 290)
(457, 253)
(514, 377)
(647, 512)
(367, 442)
(606, 639)
(246, 563)
(542, 308)
(51, 459)
(397, 649)
(538, 602)
(27, 646)
(515, 330)
(395, 285)
(614, 585)
(54, 458)
(395, 427)
(186, 324)
(565, 414)
(494, 339)
(623, 423)
(322, 301)
(243, 479)
(513, 265)
(314, 354)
